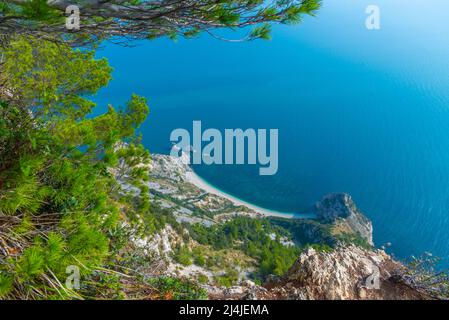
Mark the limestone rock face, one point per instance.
(171, 168)
(346, 273)
(339, 207)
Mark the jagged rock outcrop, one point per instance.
(168, 167)
(339, 209)
(346, 273)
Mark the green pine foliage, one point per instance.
(60, 204)
(183, 255)
(177, 289)
(184, 19)
(35, 11)
(252, 236)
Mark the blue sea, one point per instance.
(359, 111)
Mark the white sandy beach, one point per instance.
(199, 182)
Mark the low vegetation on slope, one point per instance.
(59, 204)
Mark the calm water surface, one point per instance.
(358, 111)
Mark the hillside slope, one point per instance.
(350, 267)
(347, 273)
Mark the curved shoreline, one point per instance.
(201, 183)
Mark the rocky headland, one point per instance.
(351, 269)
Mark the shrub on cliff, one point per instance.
(59, 204)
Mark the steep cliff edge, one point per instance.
(346, 273)
(340, 210)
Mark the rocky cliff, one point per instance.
(341, 270)
(346, 273)
(340, 210)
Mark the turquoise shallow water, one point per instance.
(358, 111)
